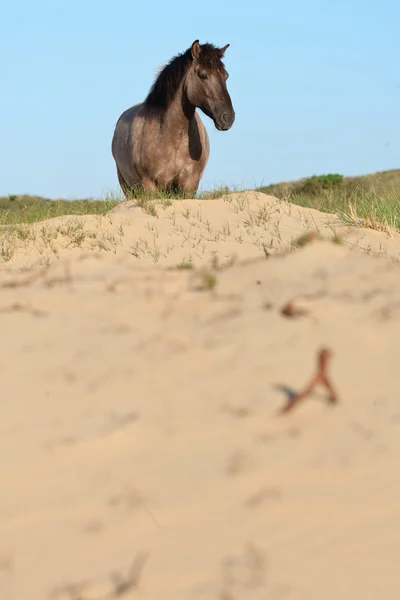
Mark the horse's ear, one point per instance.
(223, 50)
(196, 49)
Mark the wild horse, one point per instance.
(162, 143)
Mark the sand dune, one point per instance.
(242, 225)
(143, 453)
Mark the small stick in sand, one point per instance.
(291, 310)
(321, 377)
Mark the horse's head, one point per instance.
(206, 84)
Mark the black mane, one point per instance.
(168, 81)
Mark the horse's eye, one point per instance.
(203, 76)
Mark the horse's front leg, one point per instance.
(148, 185)
(189, 194)
(189, 186)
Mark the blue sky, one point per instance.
(315, 86)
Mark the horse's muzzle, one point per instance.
(225, 120)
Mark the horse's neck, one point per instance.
(178, 115)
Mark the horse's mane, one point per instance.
(170, 77)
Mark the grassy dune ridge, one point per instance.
(369, 200)
(372, 200)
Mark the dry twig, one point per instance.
(321, 378)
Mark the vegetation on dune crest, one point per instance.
(379, 182)
(31, 209)
(26, 209)
(370, 199)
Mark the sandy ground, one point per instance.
(143, 454)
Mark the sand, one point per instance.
(143, 453)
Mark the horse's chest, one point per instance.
(175, 159)
(172, 154)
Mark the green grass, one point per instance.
(376, 182)
(25, 209)
(31, 209)
(372, 200)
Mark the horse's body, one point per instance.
(162, 142)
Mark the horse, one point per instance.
(161, 143)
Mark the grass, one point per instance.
(255, 223)
(25, 209)
(185, 265)
(16, 210)
(371, 200)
